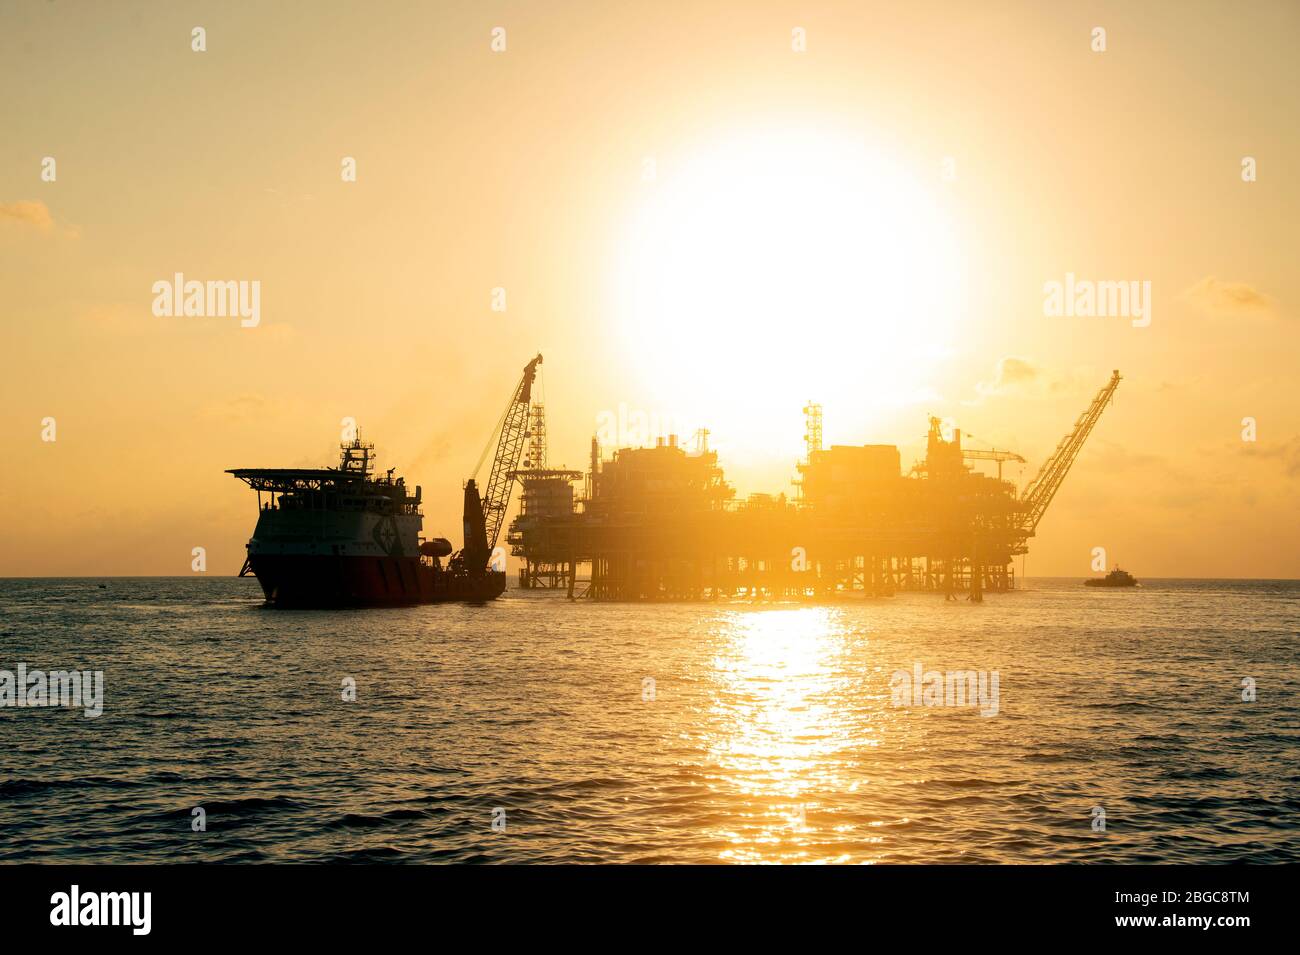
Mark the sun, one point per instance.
(767, 269)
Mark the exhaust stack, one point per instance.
(476, 547)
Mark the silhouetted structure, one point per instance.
(546, 495)
(329, 537)
(340, 537)
(662, 524)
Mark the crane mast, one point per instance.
(1039, 492)
(510, 444)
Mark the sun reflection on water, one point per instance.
(779, 734)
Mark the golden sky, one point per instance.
(690, 218)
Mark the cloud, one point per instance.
(1228, 299)
(1109, 466)
(27, 212)
(1287, 454)
(238, 409)
(1010, 374)
(1023, 378)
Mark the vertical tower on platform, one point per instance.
(547, 497)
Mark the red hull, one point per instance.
(329, 581)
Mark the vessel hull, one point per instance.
(306, 581)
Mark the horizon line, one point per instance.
(250, 577)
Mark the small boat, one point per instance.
(1116, 578)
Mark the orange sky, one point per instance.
(799, 239)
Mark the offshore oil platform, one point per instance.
(661, 523)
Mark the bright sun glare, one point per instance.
(778, 267)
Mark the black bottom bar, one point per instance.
(951, 905)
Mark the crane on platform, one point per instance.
(992, 454)
(1039, 492)
(511, 434)
(699, 443)
(943, 453)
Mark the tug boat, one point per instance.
(1116, 578)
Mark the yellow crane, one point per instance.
(992, 454)
(1039, 492)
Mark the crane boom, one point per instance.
(993, 454)
(979, 454)
(1039, 492)
(514, 432)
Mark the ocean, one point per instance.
(1156, 725)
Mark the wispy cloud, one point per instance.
(30, 212)
(1024, 377)
(238, 409)
(1229, 299)
(1010, 374)
(1286, 453)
